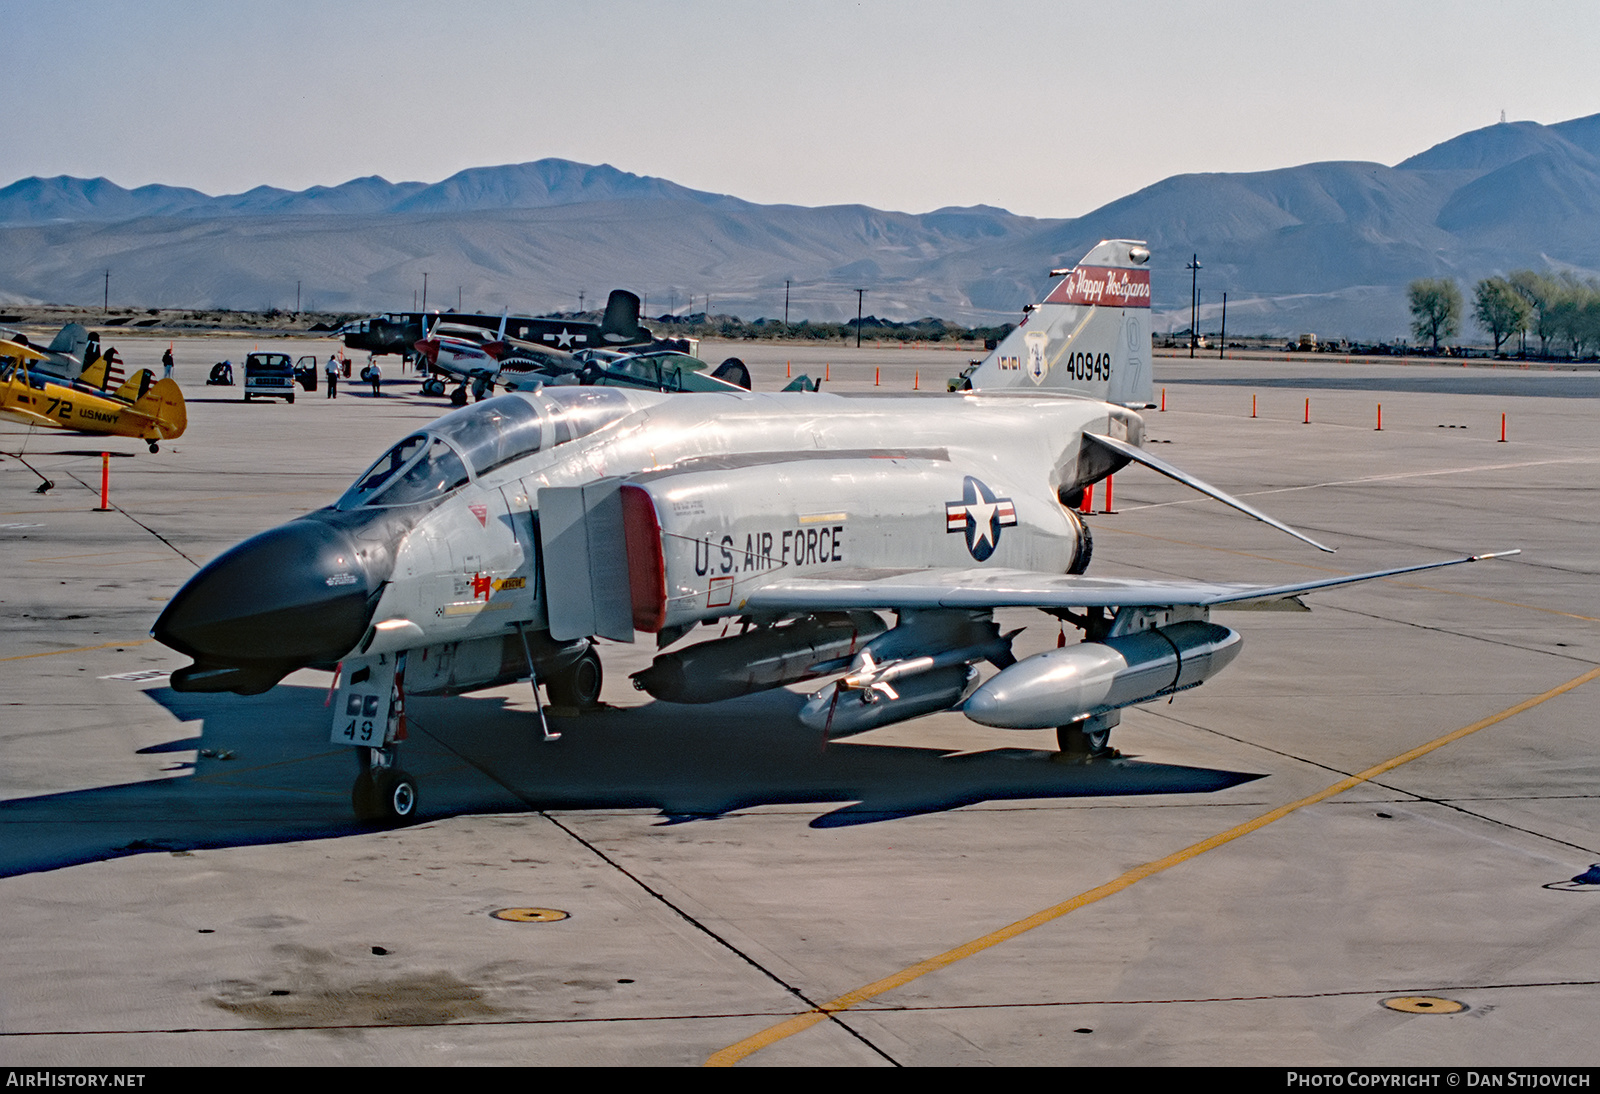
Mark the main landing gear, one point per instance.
(578, 685)
(383, 792)
(1088, 739)
(433, 386)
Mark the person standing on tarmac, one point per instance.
(166, 364)
(375, 376)
(332, 370)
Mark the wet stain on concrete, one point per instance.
(318, 990)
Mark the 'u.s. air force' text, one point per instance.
(765, 550)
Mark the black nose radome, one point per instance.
(299, 594)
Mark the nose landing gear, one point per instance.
(383, 792)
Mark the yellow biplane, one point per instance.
(152, 410)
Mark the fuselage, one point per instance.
(441, 541)
(39, 399)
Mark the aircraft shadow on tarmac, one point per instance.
(265, 773)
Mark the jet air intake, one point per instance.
(1062, 686)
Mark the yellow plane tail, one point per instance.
(134, 388)
(163, 404)
(96, 374)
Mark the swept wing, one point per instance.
(977, 589)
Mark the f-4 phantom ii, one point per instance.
(497, 543)
(152, 410)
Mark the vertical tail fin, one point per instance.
(71, 339)
(97, 373)
(135, 387)
(621, 322)
(1090, 335)
(163, 404)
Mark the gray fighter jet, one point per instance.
(497, 543)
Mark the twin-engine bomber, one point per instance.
(499, 542)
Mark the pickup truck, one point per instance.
(268, 374)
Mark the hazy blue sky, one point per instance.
(1049, 109)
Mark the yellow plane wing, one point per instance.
(150, 411)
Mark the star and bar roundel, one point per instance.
(980, 515)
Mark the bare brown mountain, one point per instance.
(1323, 246)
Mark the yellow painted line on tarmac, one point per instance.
(78, 649)
(799, 1023)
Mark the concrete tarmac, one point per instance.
(183, 882)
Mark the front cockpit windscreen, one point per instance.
(488, 435)
(417, 469)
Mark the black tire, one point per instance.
(578, 685)
(1074, 742)
(154, 448)
(395, 796)
(458, 397)
(364, 798)
(291, 400)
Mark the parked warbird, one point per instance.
(152, 410)
(73, 349)
(495, 544)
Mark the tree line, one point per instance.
(1560, 309)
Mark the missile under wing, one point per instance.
(863, 541)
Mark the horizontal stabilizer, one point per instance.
(1139, 455)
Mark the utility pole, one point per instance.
(861, 294)
(106, 305)
(297, 298)
(1222, 339)
(1194, 299)
(786, 303)
(458, 299)
(580, 301)
(424, 291)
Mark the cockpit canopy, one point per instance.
(475, 440)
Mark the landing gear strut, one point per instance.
(1088, 739)
(383, 792)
